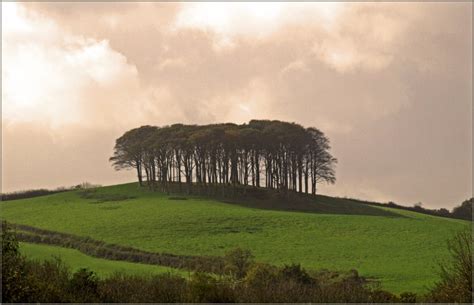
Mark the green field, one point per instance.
(400, 248)
(76, 260)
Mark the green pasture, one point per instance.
(400, 248)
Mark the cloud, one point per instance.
(50, 75)
(390, 83)
(366, 36)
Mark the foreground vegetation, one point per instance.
(245, 281)
(399, 248)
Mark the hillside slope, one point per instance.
(400, 248)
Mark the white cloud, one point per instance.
(294, 66)
(253, 20)
(50, 75)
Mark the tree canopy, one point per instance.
(262, 153)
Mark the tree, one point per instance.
(281, 155)
(130, 148)
(322, 163)
(464, 211)
(15, 284)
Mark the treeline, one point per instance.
(273, 154)
(30, 194)
(463, 211)
(43, 192)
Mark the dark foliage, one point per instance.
(92, 194)
(464, 211)
(164, 288)
(30, 194)
(83, 286)
(177, 198)
(14, 284)
(408, 297)
(295, 273)
(43, 192)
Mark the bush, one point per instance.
(456, 275)
(167, 288)
(48, 281)
(237, 262)
(15, 287)
(121, 288)
(260, 284)
(203, 288)
(83, 286)
(260, 276)
(407, 297)
(296, 273)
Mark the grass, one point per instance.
(401, 248)
(76, 260)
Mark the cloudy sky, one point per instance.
(389, 83)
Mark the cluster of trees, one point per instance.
(273, 154)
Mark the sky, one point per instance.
(390, 84)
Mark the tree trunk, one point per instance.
(139, 173)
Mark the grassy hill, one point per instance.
(400, 248)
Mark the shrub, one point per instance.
(408, 297)
(48, 281)
(167, 288)
(203, 288)
(296, 273)
(15, 287)
(456, 275)
(83, 286)
(237, 262)
(259, 284)
(121, 288)
(260, 276)
(162, 288)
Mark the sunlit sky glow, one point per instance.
(389, 83)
